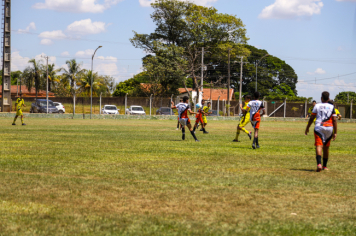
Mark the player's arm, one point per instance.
(172, 105)
(192, 112)
(310, 122)
(335, 127)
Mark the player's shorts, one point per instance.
(244, 121)
(323, 135)
(199, 119)
(19, 112)
(184, 121)
(205, 120)
(255, 122)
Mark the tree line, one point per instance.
(63, 82)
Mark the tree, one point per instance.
(130, 86)
(52, 76)
(283, 91)
(85, 84)
(345, 97)
(183, 28)
(73, 73)
(31, 75)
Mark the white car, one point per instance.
(60, 107)
(135, 110)
(110, 109)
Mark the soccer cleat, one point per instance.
(201, 129)
(23, 124)
(325, 168)
(319, 168)
(13, 124)
(236, 141)
(250, 135)
(257, 146)
(205, 132)
(183, 136)
(197, 140)
(253, 146)
(177, 129)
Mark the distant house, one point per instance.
(208, 94)
(26, 93)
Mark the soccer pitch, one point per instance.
(136, 177)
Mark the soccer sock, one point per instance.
(204, 130)
(178, 125)
(193, 134)
(254, 140)
(21, 120)
(237, 134)
(15, 120)
(183, 133)
(194, 128)
(244, 130)
(257, 141)
(325, 161)
(318, 159)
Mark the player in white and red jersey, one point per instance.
(325, 129)
(256, 106)
(184, 120)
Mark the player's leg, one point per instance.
(255, 140)
(196, 125)
(237, 134)
(243, 125)
(325, 157)
(191, 131)
(13, 123)
(22, 120)
(204, 122)
(318, 150)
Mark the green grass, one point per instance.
(135, 177)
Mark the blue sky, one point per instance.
(316, 37)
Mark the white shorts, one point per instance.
(324, 133)
(184, 121)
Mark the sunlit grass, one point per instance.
(136, 177)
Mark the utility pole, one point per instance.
(240, 94)
(6, 57)
(202, 74)
(228, 84)
(46, 57)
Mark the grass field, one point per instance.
(136, 177)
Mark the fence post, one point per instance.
(100, 104)
(218, 106)
(351, 110)
(151, 104)
(170, 105)
(73, 104)
(285, 107)
(224, 107)
(305, 110)
(125, 104)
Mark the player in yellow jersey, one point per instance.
(245, 119)
(338, 114)
(206, 112)
(18, 105)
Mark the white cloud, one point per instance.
(64, 54)
(147, 3)
(318, 71)
(286, 9)
(56, 34)
(46, 42)
(41, 57)
(87, 27)
(31, 26)
(109, 58)
(86, 53)
(19, 62)
(346, 0)
(340, 48)
(90, 6)
(106, 69)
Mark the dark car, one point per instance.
(165, 111)
(40, 106)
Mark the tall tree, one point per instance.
(52, 76)
(73, 73)
(85, 84)
(32, 75)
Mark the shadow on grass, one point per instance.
(308, 170)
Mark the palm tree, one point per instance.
(73, 72)
(52, 76)
(85, 83)
(32, 76)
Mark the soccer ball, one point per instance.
(198, 106)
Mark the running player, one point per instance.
(18, 105)
(184, 120)
(310, 110)
(206, 112)
(199, 119)
(178, 124)
(245, 119)
(256, 106)
(325, 129)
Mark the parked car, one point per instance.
(40, 106)
(60, 107)
(110, 109)
(135, 110)
(165, 111)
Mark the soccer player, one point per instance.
(199, 117)
(310, 110)
(184, 120)
(245, 119)
(256, 106)
(338, 114)
(206, 112)
(325, 129)
(178, 124)
(18, 105)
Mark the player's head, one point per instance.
(256, 95)
(325, 96)
(185, 99)
(314, 103)
(181, 100)
(20, 95)
(247, 98)
(198, 106)
(209, 104)
(202, 101)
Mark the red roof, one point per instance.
(26, 92)
(215, 93)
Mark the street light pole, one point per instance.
(257, 66)
(91, 81)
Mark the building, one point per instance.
(208, 94)
(15, 90)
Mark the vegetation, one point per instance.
(135, 177)
(346, 97)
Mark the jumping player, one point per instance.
(255, 107)
(325, 129)
(199, 119)
(18, 104)
(184, 120)
(245, 119)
